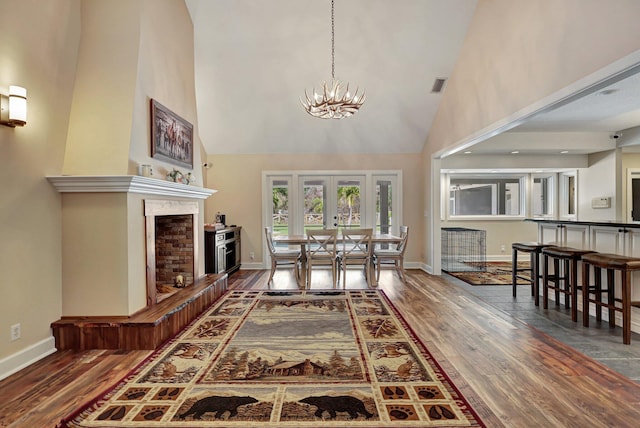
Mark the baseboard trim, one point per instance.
(506, 258)
(253, 266)
(422, 266)
(27, 356)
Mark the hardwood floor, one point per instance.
(514, 376)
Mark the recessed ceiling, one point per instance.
(255, 58)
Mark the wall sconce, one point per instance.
(13, 107)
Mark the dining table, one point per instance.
(301, 240)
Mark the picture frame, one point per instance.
(171, 136)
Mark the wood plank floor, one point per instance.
(514, 376)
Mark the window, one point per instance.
(384, 204)
(568, 194)
(314, 203)
(542, 196)
(350, 193)
(280, 199)
(485, 195)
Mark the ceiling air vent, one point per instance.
(438, 84)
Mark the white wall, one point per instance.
(600, 179)
(629, 161)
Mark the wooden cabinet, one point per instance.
(222, 250)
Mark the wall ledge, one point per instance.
(126, 184)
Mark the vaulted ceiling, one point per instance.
(255, 58)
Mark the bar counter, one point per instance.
(602, 236)
(587, 223)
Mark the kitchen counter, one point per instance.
(602, 236)
(586, 223)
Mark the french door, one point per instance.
(331, 201)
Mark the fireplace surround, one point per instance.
(172, 246)
(106, 268)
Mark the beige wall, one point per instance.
(101, 114)
(165, 72)
(118, 73)
(238, 179)
(518, 52)
(96, 276)
(90, 68)
(38, 51)
(500, 234)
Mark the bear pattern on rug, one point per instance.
(218, 405)
(343, 403)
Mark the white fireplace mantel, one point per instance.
(126, 184)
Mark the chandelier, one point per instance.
(334, 101)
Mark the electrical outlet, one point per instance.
(252, 255)
(502, 248)
(15, 332)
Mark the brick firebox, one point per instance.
(172, 246)
(174, 249)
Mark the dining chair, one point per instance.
(356, 250)
(392, 257)
(322, 250)
(286, 258)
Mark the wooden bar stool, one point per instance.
(611, 263)
(564, 279)
(534, 249)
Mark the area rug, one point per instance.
(287, 359)
(496, 273)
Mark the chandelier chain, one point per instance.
(333, 101)
(333, 44)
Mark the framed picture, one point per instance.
(171, 136)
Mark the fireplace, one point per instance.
(172, 246)
(109, 265)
